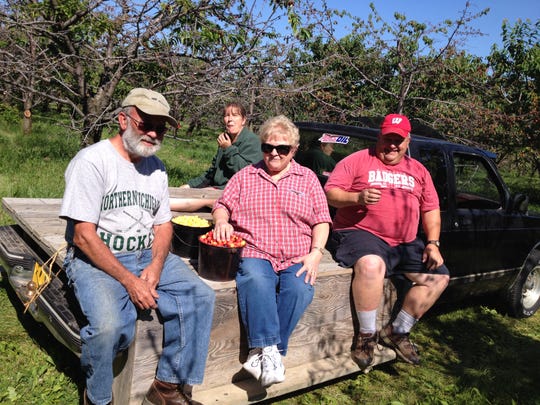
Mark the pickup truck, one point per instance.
(489, 240)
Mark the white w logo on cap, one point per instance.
(396, 120)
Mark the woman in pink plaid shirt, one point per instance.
(280, 209)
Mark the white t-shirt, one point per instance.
(125, 200)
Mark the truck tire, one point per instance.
(524, 294)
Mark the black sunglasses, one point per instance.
(280, 149)
(159, 129)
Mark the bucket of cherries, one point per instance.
(218, 260)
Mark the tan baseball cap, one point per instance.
(150, 102)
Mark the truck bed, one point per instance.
(319, 349)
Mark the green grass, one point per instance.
(471, 353)
(33, 165)
(529, 185)
(36, 369)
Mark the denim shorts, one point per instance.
(351, 245)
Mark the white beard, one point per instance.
(133, 145)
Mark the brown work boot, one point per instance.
(86, 400)
(363, 352)
(164, 393)
(401, 344)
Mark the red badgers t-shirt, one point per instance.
(407, 189)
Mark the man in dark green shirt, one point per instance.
(318, 158)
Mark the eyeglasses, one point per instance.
(159, 129)
(280, 149)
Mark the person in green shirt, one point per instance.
(318, 157)
(238, 147)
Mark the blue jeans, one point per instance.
(185, 304)
(271, 304)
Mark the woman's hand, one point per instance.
(224, 140)
(311, 265)
(222, 230)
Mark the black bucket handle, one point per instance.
(184, 242)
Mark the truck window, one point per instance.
(433, 160)
(321, 165)
(308, 137)
(474, 186)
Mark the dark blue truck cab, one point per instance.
(489, 240)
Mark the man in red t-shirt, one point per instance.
(381, 194)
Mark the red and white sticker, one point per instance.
(331, 138)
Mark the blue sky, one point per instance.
(435, 11)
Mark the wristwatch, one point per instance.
(434, 242)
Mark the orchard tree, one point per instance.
(380, 66)
(420, 69)
(515, 93)
(84, 55)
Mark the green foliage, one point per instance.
(203, 54)
(516, 75)
(33, 165)
(529, 185)
(9, 114)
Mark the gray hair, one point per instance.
(282, 124)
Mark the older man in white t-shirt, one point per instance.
(116, 204)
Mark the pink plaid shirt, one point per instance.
(275, 219)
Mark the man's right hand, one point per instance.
(369, 196)
(141, 293)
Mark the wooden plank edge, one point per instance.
(297, 378)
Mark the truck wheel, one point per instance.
(524, 294)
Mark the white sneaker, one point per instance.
(253, 363)
(273, 370)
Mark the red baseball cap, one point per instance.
(396, 124)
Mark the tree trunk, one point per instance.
(27, 117)
(91, 133)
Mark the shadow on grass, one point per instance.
(486, 352)
(466, 344)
